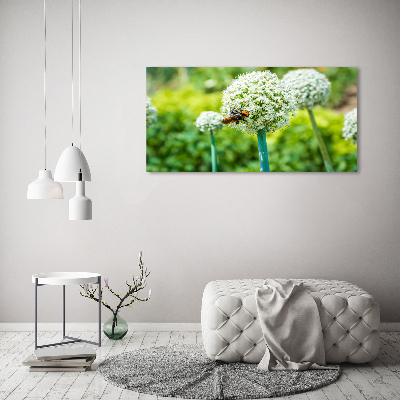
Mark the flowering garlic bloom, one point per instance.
(151, 113)
(311, 87)
(350, 126)
(209, 121)
(269, 101)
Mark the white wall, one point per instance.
(192, 228)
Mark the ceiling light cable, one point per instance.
(79, 80)
(72, 68)
(44, 83)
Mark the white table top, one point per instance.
(65, 278)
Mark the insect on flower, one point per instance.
(235, 116)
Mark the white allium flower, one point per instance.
(151, 113)
(350, 126)
(269, 101)
(311, 87)
(209, 121)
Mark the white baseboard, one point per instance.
(390, 326)
(138, 327)
(92, 327)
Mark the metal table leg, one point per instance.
(36, 286)
(63, 311)
(100, 297)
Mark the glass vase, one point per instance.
(115, 327)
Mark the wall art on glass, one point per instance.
(239, 119)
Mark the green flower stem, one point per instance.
(263, 150)
(322, 147)
(213, 153)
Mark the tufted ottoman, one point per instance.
(231, 330)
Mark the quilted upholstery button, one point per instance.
(334, 344)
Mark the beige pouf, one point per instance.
(231, 330)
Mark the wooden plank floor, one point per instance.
(379, 379)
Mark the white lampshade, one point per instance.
(44, 187)
(71, 161)
(80, 206)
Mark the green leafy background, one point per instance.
(181, 94)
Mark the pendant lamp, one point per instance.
(72, 162)
(44, 186)
(72, 165)
(80, 206)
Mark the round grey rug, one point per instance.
(185, 371)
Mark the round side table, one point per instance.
(62, 279)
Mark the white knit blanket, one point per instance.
(291, 327)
